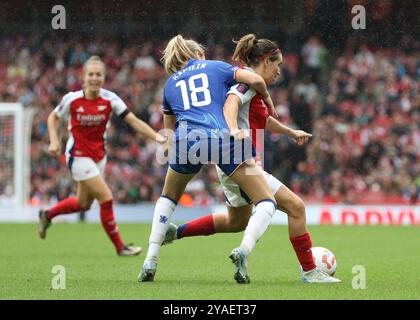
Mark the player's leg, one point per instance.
(235, 220)
(174, 187)
(255, 186)
(66, 206)
(251, 180)
(82, 202)
(84, 198)
(294, 207)
(70, 205)
(239, 207)
(299, 236)
(175, 184)
(237, 217)
(97, 188)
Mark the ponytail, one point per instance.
(178, 52)
(250, 50)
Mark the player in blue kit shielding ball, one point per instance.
(193, 101)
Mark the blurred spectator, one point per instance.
(313, 54)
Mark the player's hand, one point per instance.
(301, 137)
(239, 134)
(54, 149)
(161, 139)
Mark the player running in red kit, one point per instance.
(88, 112)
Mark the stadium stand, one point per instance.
(359, 101)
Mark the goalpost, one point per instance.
(15, 128)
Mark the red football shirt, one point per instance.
(88, 121)
(252, 114)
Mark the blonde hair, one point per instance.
(94, 59)
(178, 52)
(250, 50)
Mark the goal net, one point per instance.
(15, 125)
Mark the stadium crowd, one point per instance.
(362, 107)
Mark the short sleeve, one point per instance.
(243, 92)
(228, 73)
(63, 108)
(118, 105)
(166, 108)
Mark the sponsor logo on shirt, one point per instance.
(90, 119)
(80, 109)
(242, 88)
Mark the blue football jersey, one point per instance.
(196, 94)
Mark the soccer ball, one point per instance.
(324, 260)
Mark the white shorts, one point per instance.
(84, 168)
(234, 195)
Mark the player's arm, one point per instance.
(230, 111)
(299, 136)
(120, 108)
(169, 121)
(169, 118)
(143, 128)
(258, 83)
(61, 111)
(52, 122)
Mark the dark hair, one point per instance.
(250, 50)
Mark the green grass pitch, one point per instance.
(199, 268)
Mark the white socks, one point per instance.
(164, 209)
(258, 223)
